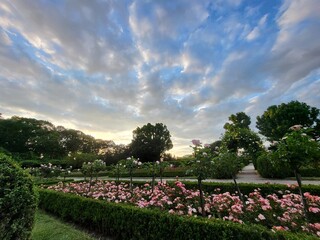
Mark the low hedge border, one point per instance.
(122, 221)
(245, 188)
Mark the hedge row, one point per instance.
(245, 188)
(128, 222)
(169, 172)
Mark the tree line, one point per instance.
(29, 138)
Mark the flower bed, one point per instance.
(275, 211)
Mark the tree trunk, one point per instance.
(239, 192)
(201, 197)
(161, 173)
(304, 201)
(118, 175)
(153, 175)
(90, 182)
(131, 180)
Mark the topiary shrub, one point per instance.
(18, 200)
(269, 166)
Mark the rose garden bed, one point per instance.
(281, 212)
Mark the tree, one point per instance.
(201, 167)
(150, 142)
(240, 120)
(298, 149)
(275, 122)
(238, 137)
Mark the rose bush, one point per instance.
(279, 211)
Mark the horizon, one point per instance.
(108, 67)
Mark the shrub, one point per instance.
(226, 165)
(127, 222)
(310, 172)
(30, 163)
(18, 200)
(269, 166)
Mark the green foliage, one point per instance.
(93, 168)
(310, 172)
(226, 165)
(30, 163)
(77, 159)
(18, 200)
(240, 120)
(246, 188)
(270, 166)
(202, 165)
(49, 170)
(239, 139)
(275, 122)
(298, 149)
(127, 222)
(150, 142)
(168, 172)
(28, 138)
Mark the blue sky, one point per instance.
(107, 67)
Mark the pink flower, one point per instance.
(261, 217)
(196, 142)
(314, 210)
(278, 228)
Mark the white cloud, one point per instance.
(255, 33)
(109, 67)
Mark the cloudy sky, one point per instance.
(107, 67)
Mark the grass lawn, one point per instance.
(48, 227)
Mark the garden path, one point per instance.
(247, 175)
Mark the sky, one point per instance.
(108, 67)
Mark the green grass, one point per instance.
(48, 227)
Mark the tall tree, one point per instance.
(275, 122)
(298, 149)
(239, 120)
(238, 136)
(150, 142)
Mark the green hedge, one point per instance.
(269, 166)
(128, 222)
(246, 188)
(168, 172)
(18, 200)
(310, 172)
(30, 163)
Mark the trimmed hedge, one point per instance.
(18, 200)
(128, 222)
(310, 172)
(246, 188)
(269, 166)
(168, 172)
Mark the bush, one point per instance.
(77, 159)
(30, 163)
(18, 200)
(127, 222)
(309, 172)
(226, 165)
(168, 172)
(268, 166)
